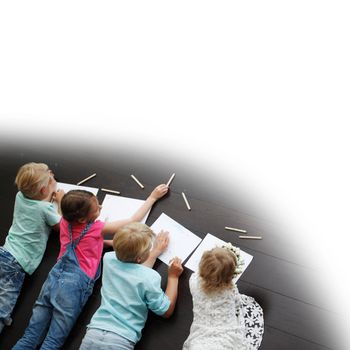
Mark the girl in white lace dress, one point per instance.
(223, 319)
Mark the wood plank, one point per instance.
(296, 318)
(275, 339)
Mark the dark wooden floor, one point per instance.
(296, 316)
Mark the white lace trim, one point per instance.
(226, 321)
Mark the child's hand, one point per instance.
(161, 243)
(57, 196)
(159, 192)
(108, 243)
(175, 268)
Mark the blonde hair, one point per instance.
(31, 177)
(133, 241)
(216, 270)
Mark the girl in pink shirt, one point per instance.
(70, 282)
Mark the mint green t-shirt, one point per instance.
(128, 291)
(28, 235)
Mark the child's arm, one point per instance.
(160, 244)
(157, 193)
(107, 243)
(174, 272)
(56, 227)
(57, 197)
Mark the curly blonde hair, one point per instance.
(216, 270)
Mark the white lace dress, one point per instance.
(225, 321)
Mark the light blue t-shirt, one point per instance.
(28, 235)
(128, 291)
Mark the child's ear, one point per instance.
(82, 221)
(138, 260)
(44, 192)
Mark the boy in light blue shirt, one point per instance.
(129, 288)
(33, 218)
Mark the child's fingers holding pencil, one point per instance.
(175, 260)
(175, 267)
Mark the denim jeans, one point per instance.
(62, 297)
(98, 339)
(11, 281)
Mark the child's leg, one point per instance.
(36, 330)
(61, 324)
(39, 322)
(68, 303)
(11, 280)
(99, 339)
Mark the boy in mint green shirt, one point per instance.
(33, 218)
(130, 288)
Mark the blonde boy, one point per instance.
(33, 218)
(130, 287)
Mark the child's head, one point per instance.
(35, 180)
(133, 242)
(216, 270)
(79, 206)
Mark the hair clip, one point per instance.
(236, 252)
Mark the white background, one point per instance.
(259, 89)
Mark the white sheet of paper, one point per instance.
(209, 242)
(117, 208)
(182, 241)
(68, 187)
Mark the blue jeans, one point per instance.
(11, 281)
(98, 339)
(62, 297)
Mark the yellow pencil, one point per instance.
(137, 181)
(186, 201)
(235, 229)
(88, 178)
(171, 179)
(110, 191)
